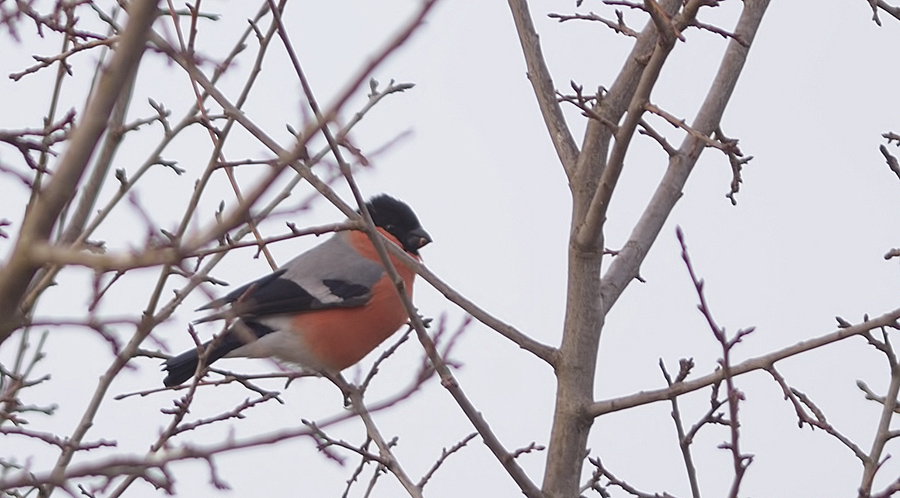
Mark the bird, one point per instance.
(323, 310)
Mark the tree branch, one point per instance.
(544, 89)
(763, 362)
(625, 267)
(17, 274)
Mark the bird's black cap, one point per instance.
(399, 220)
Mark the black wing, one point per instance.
(275, 295)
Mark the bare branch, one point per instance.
(583, 103)
(741, 461)
(799, 400)
(544, 89)
(759, 363)
(627, 264)
(881, 4)
(588, 233)
(542, 351)
(664, 24)
(883, 434)
(684, 441)
(17, 274)
(729, 146)
(61, 58)
(136, 465)
(889, 491)
(387, 458)
(870, 395)
(445, 453)
(648, 130)
(891, 159)
(617, 26)
(719, 31)
(602, 472)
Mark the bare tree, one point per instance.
(66, 164)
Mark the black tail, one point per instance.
(182, 367)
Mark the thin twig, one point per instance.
(617, 26)
(684, 442)
(799, 400)
(740, 461)
(445, 453)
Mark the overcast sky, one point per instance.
(816, 213)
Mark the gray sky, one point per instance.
(815, 215)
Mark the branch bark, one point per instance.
(627, 263)
(544, 89)
(590, 298)
(17, 274)
(763, 362)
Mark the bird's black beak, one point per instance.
(416, 239)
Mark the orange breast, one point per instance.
(338, 338)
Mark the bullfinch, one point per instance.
(325, 309)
